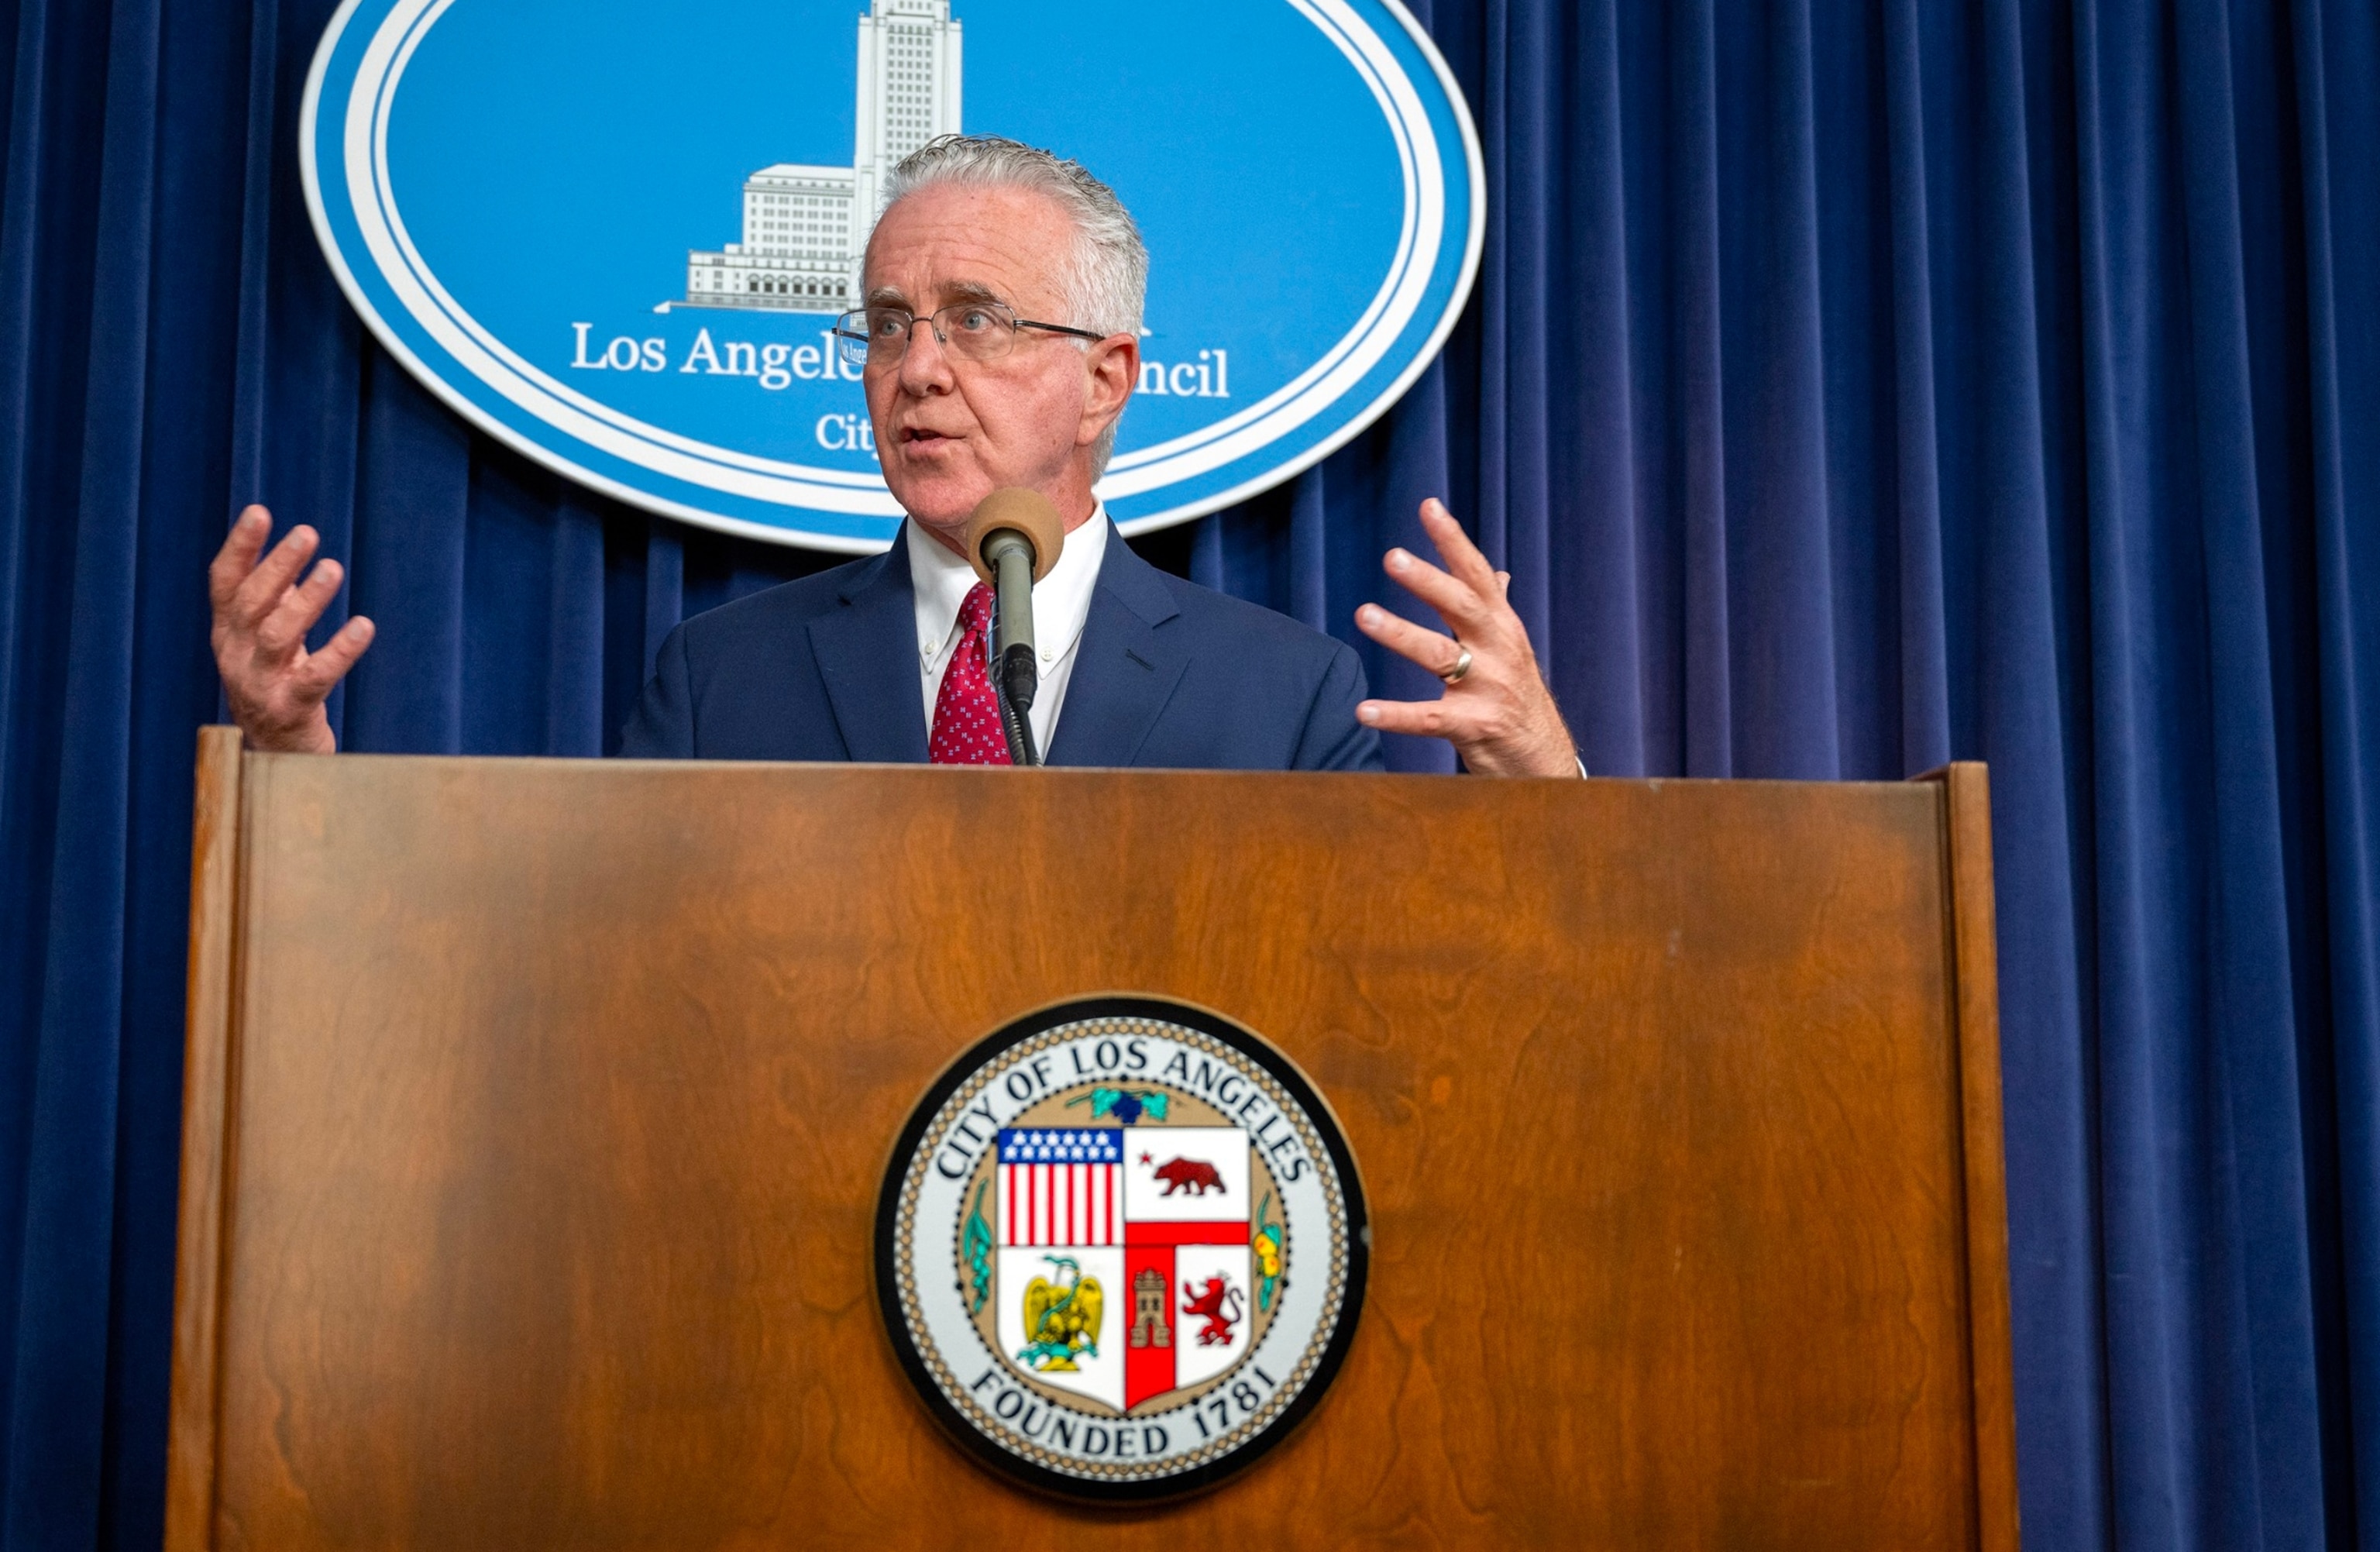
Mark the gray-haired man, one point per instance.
(1000, 344)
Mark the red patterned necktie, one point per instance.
(967, 712)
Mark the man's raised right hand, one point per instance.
(262, 613)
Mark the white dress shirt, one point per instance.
(938, 582)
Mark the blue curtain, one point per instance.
(1849, 387)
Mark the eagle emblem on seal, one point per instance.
(1061, 1319)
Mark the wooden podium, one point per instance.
(536, 1112)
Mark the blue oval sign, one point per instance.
(614, 233)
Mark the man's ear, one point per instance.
(1114, 367)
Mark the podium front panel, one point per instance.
(539, 1109)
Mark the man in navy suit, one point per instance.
(1000, 344)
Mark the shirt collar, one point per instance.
(939, 582)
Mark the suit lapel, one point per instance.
(1125, 668)
(866, 652)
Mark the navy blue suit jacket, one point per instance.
(1168, 675)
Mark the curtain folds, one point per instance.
(1849, 387)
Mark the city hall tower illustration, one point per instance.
(804, 227)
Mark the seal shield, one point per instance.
(1121, 1248)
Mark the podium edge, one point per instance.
(216, 858)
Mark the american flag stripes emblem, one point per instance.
(1060, 1187)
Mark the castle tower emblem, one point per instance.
(1148, 1327)
(806, 227)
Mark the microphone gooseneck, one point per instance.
(1016, 672)
(1013, 539)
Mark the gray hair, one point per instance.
(1106, 281)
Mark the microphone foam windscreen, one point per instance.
(1030, 514)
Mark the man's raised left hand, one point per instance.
(1495, 712)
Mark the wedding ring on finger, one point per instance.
(1462, 666)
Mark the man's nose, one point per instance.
(925, 365)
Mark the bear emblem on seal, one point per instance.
(1193, 1175)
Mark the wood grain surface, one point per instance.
(551, 1098)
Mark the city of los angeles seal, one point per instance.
(1121, 1248)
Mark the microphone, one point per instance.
(1013, 539)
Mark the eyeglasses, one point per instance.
(879, 336)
